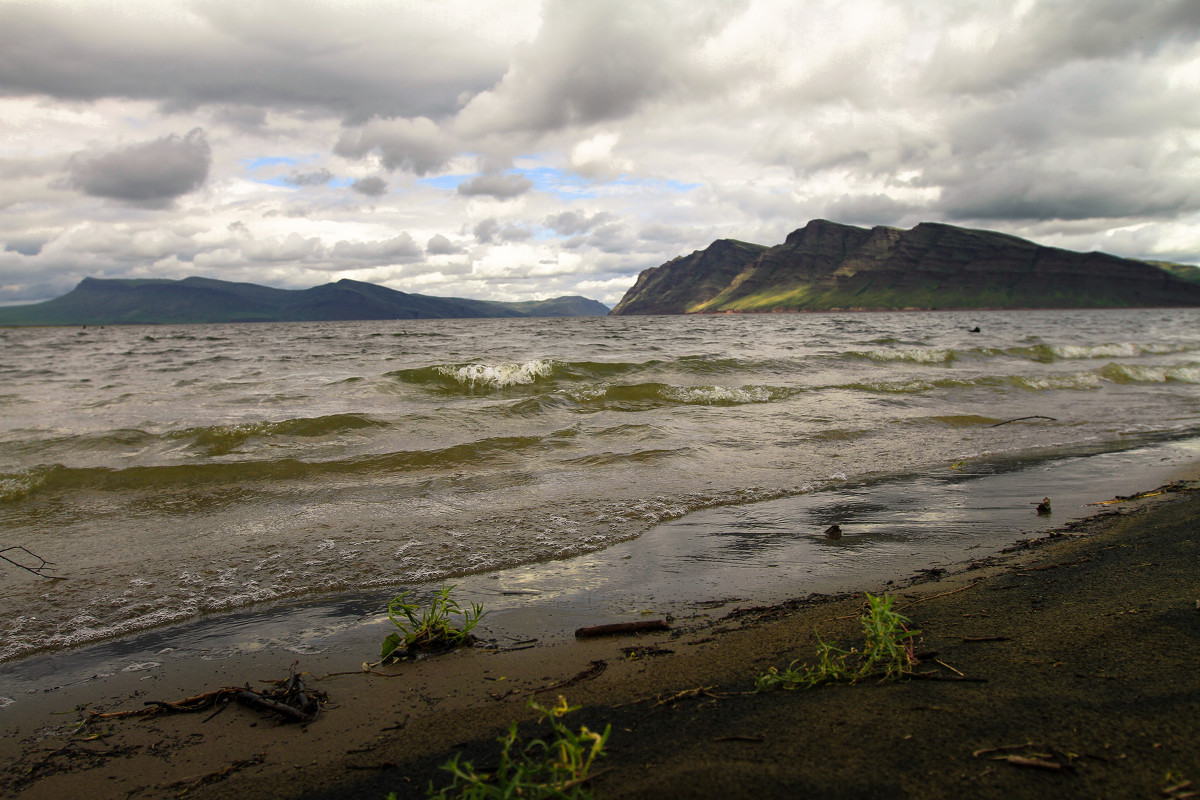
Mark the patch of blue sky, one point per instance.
(276, 180)
(444, 181)
(559, 182)
(268, 161)
(568, 185)
(656, 184)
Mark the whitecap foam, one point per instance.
(719, 395)
(499, 376)
(915, 355)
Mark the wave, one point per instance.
(245, 474)
(645, 396)
(543, 374)
(219, 440)
(1039, 353)
(913, 355)
(479, 378)
(1049, 353)
(1112, 373)
(1136, 373)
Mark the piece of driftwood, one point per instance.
(264, 703)
(617, 628)
(291, 699)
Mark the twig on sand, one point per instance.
(592, 671)
(706, 691)
(1020, 419)
(1036, 763)
(936, 596)
(188, 784)
(1032, 758)
(914, 602)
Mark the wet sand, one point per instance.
(1081, 649)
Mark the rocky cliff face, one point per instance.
(678, 286)
(827, 266)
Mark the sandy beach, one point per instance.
(1064, 667)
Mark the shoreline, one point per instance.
(1094, 644)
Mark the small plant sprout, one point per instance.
(558, 766)
(887, 652)
(444, 624)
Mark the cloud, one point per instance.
(593, 62)
(354, 59)
(397, 250)
(867, 209)
(372, 186)
(490, 231)
(318, 177)
(502, 186)
(439, 245)
(572, 223)
(1031, 41)
(413, 145)
(151, 175)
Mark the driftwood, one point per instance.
(292, 700)
(617, 628)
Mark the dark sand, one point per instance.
(1083, 647)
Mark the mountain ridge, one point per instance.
(827, 266)
(158, 301)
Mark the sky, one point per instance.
(522, 150)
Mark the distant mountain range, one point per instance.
(194, 300)
(825, 266)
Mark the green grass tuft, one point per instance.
(433, 628)
(887, 653)
(555, 767)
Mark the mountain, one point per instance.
(191, 300)
(825, 266)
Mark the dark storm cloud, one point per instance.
(26, 246)
(308, 56)
(502, 186)
(149, 175)
(373, 186)
(1023, 190)
(319, 177)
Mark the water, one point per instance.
(173, 472)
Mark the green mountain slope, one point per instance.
(826, 266)
(195, 300)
